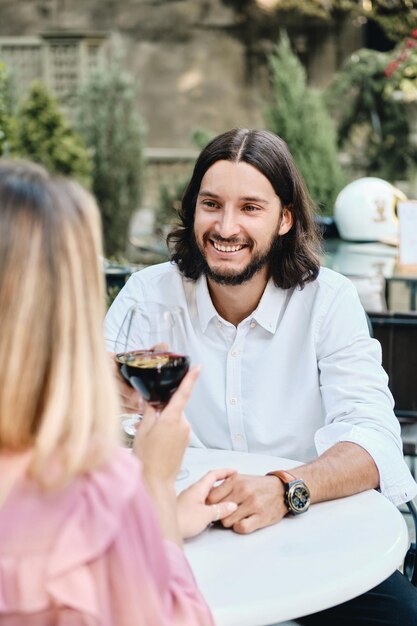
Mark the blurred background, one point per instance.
(123, 94)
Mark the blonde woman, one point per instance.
(88, 535)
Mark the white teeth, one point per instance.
(222, 248)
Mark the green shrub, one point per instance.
(7, 120)
(113, 131)
(298, 114)
(373, 126)
(201, 137)
(170, 193)
(45, 136)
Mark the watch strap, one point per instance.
(284, 476)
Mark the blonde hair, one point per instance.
(57, 394)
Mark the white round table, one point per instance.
(302, 565)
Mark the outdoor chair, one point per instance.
(410, 561)
(397, 334)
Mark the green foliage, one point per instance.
(170, 194)
(201, 137)
(7, 121)
(298, 114)
(372, 126)
(311, 8)
(401, 73)
(169, 202)
(396, 17)
(44, 136)
(111, 294)
(113, 131)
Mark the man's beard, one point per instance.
(255, 265)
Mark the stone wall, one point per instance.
(198, 63)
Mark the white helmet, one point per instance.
(365, 210)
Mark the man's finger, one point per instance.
(248, 524)
(160, 347)
(222, 492)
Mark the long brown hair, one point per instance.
(57, 396)
(295, 255)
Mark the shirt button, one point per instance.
(252, 324)
(238, 437)
(218, 323)
(234, 352)
(233, 400)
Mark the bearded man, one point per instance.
(288, 366)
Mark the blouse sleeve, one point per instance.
(157, 579)
(93, 553)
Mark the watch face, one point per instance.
(298, 498)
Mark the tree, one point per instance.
(298, 114)
(170, 193)
(7, 121)
(113, 131)
(373, 125)
(397, 18)
(45, 136)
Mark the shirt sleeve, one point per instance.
(357, 403)
(130, 294)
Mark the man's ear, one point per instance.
(286, 221)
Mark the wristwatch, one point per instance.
(297, 494)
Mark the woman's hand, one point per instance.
(160, 441)
(194, 515)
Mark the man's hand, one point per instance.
(130, 400)
(260, 501)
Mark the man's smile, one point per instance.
(221, 247)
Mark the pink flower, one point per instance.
(390, 69)
(414, 33)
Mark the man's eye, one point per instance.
(251, 207)
(210, 204)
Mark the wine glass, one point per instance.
(151, 353)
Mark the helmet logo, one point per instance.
(380, 210)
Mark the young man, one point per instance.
(289, 368)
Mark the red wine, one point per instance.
(156, 375)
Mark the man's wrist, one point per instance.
(296, 492)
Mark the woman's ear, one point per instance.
(286, 221)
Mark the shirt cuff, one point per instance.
(396, 482)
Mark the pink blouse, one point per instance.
(91, 555)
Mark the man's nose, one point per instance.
(227, 225)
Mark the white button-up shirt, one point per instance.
(295, 377)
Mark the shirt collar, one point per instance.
(267, 314)
(205, 306)
(271, 306)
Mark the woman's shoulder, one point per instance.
(103, 491)
(114, 472)
(55, 534)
